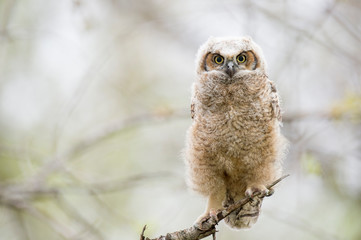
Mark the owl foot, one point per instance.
(271, 191)
(258, 189)
(202, 222)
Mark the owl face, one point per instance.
(230, 57)
(230, 64)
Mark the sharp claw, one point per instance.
(213, 215)
(261, 190)
(271, 191)
(199, 224)
(203, 224)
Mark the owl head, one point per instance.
(230, 56)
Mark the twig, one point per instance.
(142, 235)
(57, 161)
(209, 224)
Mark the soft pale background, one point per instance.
(94, 107)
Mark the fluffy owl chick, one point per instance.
(234, 145)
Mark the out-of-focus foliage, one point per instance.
(349, 107)
(94, 108)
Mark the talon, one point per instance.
(213, 215)
(202, 223)
(271, 191)
(259, 189)
(199, 225)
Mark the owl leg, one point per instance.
(214, 204)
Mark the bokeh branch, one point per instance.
(57, 161)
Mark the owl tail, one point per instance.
(247, 216)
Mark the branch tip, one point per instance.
(277, 181)
(142, 235)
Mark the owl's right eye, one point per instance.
(218, 59)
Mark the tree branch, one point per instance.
(208, 225)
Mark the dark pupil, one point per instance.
(218, 59)
(241, 58)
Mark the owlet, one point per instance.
(234, 147)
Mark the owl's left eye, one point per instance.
(241, 58)
(218, 59)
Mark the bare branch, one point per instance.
(56, 162)
(18, 195)
(208, 225)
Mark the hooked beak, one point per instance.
(230, 68)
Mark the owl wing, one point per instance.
(275, 102)
(192, 110)
(193, 101)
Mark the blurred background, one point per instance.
(95, 105)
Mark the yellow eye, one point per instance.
(218, 59)
(241, 58)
